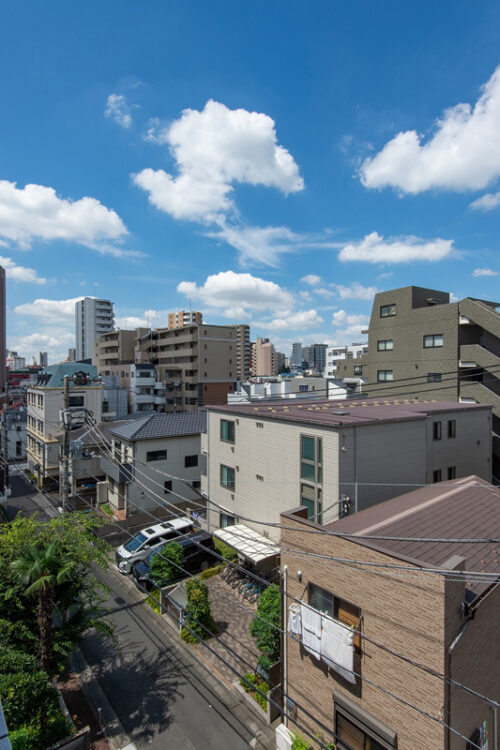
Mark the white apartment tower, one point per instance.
(93, 317)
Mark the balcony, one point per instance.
(474, 355)
(144, 398)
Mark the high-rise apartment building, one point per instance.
(182, 318)
(198, 363)
(296, 358)
(265, 358)
(115, 348)
(14, 361)
(43, 359)
(93, 317)
(71, 355)
(243, 352)
(448, 351)
(3, 368)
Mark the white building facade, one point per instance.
(93, 317)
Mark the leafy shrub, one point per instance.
(225, 550)
(267, 636)
(153, 600)
(209, 572)
(200, 624)
(164, 566)
(299, 743)
(256, 681)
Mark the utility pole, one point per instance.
(66, 420)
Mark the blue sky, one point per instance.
(273, 163)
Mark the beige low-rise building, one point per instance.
(420, 619)
(335, 457)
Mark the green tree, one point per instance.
(165, 566)
(266, 627)
(50, 562)
(41, 569)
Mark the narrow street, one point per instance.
(163, 697)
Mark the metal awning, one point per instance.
(247, 542)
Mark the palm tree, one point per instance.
(42, 568)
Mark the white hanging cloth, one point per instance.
(337, 647)
(311, 630)
(295, 620)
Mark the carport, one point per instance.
(252, 547)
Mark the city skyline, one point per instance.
(264, 168)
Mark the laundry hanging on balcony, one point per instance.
(311, 630)
(295, 621)
(337, 647)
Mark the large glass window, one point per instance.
(190, 461)
(329, 604)
(352, 737)
(387, 311)
(385, 345)
(227, 430)
(452, 428)
(227, 477)
(437, 431)
(311, 470)
(308, 451)
(432, 341)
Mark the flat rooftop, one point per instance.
(345, 412)
(466, 508)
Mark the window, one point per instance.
(167, 486)
(196, 484)
(227, 477)
(190, 461)
(436, 431)
(358, 369)
(452, 428)
(329, 604)
(303, 388)
(434, 377)
(385, 375)
(437, 475)
(387, 311)
(76, 401)
(452, 472)
(227, 431)
(433, 341)
(226, 520)
(354, 737)
(385, 345)
(156, 455)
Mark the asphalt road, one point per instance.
(163, 697)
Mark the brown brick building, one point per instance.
(443, 619)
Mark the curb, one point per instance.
(113, 729)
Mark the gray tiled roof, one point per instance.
(459, 509)
(162, 425)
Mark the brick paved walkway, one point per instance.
(233, 622)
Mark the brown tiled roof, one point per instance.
(467, 508)
(344, 412)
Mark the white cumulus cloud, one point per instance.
(375, 249)
(355, 291)
(462, 154)
(311, 279)
(486, 202)
(484, 272)
(304, 319)
(214, 149)
(59, 311)
(348, 327)
(21, 273)
(240, 291)
(119, 110)
(37, 212)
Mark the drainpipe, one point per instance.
(285, 646)
(355, 469)
(448, 684)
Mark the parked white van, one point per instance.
(139, 547)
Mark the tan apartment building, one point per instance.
(198, 364)
(182, 318)
(243, 351)
(373, 646)
(115, 348)
(438, 349)
(265, 358)
(335, 457)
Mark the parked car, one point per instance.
(147, 540)
(197, 554)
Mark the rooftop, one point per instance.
(53, 376)
(160, 426)
(331, 413)
(467, 508)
